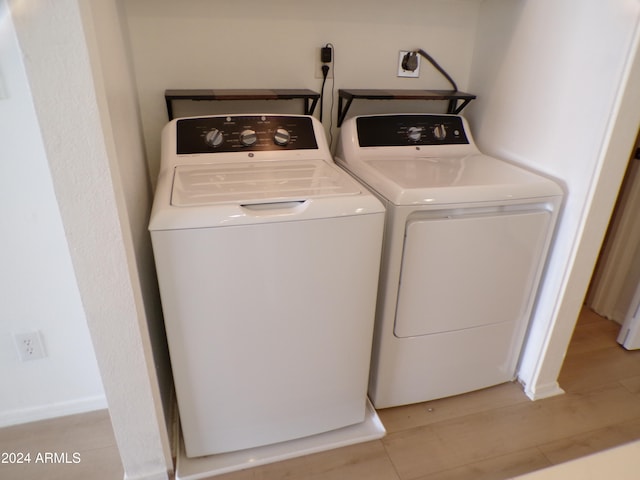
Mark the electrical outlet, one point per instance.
(408, 73)
(319, 64)
(29, 346)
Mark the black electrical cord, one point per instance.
(329, 63)
(333, 94)
(431, 60)
(325, 73)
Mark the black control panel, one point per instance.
(251, 133)
(401, 130)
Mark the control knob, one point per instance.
(248, 137)
(414, 133)
(282, 137)
(214, 138)
(439, 132)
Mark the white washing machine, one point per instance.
(465, 244)
(267, 256)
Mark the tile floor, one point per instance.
(491, 434)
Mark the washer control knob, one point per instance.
(214, 138)
(248, 137)
(440, 132)
(414, 133)
(282, 137)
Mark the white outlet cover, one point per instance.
(29, 346)
(407, 73)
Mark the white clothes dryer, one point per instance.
(465, 244)
(267, 256)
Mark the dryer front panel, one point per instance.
(468, 271)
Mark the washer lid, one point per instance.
(258, 182)
(441, 180)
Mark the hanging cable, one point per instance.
(333, 94)
(408, 60)
(325, 73)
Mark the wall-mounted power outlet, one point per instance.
(323, 54)
(29, 346)
(406, 62)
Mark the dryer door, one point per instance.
(467, 271)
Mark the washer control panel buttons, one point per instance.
(214, 138)
(282, 137)
(235, 133)
(248, 137)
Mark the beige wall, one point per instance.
(275, 44)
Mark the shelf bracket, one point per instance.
(346, 97)
(309, 97)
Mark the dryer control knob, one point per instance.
(439, 132)
(414, 133)
(214, 138)
(282, 137)
(248, 137)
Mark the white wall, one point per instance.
(195, 43)
(37, 284)
(118, 100)
(89, 152)
(141, 426)
(275, 44)
(550, 77)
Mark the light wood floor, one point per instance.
(491, 434)
(89, 435)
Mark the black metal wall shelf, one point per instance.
(309, 96)
(452, 97)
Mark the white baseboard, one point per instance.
(52, 410)
(163, 475)
(544, 391)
